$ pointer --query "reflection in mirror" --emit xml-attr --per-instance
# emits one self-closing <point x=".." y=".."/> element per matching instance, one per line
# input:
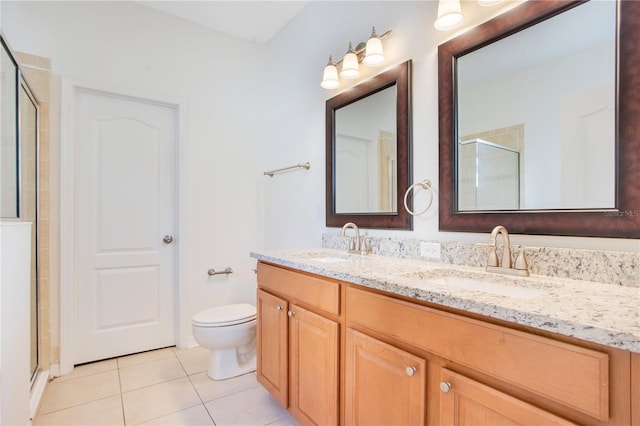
<point x="9" y="136"/>
<point x="366" y="154"/>
<point x="577" y="138"/>
<point x="544" y="101"/>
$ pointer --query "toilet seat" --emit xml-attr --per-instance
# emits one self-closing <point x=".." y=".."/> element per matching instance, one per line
<point x="224" y="316"/>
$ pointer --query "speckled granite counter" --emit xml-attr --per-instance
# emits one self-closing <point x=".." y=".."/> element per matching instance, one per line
<point x="600" y="313"/>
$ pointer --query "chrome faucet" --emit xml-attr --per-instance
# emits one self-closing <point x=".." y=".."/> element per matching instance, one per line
<point x="505" y="266"/>
<point x="354" y="242"/>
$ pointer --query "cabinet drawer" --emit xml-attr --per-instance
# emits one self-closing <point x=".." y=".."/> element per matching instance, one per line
<point x="309" y="290"/>
<point x="569" y="374"/>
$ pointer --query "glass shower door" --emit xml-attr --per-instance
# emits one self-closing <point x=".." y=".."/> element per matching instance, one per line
<point x="28" y="116"/>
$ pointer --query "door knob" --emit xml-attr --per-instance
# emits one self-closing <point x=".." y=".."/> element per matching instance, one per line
<point x="410" y="371"/>
<point x="279" y="308"/>
<point x="168" y="239"/>
<point x="291" y="314"/>
<point x="445" y="387"/>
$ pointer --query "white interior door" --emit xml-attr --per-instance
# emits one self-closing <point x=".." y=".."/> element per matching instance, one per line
<point x="352" y="179"/>
<point x="125" y="205"/>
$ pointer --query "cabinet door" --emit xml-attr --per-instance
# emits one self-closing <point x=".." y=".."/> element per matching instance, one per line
<point x="383" y="385"/>
<point x="272" y="356"/>
<point x="313" y="370"/>
<point x="466" y="402"/>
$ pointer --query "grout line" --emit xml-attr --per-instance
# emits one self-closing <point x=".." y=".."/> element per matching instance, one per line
<point x="199" y="397"/>
<point x="124" y="417"/>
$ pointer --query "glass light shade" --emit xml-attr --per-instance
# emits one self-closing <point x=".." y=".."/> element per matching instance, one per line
<point x="374" y="53"/>
<point x="350" y="68"/>
<point x="449" y="15"/>
<point x="330" y="76"/>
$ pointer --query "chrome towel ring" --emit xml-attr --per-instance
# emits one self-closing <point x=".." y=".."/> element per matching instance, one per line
<point x="424" y="184"/>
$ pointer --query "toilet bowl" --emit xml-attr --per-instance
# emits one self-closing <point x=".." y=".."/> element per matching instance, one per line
<point x="229" y="332"/>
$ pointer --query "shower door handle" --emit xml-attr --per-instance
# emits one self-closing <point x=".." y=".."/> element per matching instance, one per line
<point x="168" y="239"/>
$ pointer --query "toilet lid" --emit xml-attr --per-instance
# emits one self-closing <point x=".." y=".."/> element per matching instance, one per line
<point x="225" y="315"/>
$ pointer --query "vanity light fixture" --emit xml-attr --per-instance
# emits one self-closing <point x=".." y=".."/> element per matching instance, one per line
<point x="371" y="54"/>
<point x="374" y="53"/>
<point x="330" y="75"/>
<point x="350" y="69"/>
<point x="450" y="13"/>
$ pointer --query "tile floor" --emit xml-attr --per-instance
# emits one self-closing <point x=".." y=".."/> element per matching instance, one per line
<point x="164" y="387"/>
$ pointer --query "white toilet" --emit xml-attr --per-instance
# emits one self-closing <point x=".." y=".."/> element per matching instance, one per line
<point x="229" y="332"/>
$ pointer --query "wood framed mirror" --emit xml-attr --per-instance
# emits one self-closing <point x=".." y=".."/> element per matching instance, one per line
<point x="620" y="216"/>
<point x="368" y="152"/>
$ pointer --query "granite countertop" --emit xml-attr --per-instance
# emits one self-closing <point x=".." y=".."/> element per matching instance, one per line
<point x="602" y="313"/>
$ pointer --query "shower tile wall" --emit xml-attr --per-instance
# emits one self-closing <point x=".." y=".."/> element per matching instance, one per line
<point x="37" y="73"/>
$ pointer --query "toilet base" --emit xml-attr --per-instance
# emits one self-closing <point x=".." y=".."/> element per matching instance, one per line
<point x="228" y="363"/>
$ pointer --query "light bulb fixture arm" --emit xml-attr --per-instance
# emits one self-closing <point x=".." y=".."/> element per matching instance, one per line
<point x="362" y="46"/>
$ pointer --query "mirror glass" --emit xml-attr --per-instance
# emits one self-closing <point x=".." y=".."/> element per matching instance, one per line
<point x="538" y="125"/>
<point x="8" y="136"/>
<point x="365" y="151"/>
<point x="368" y="151"/>
<point x="536" y="116"/>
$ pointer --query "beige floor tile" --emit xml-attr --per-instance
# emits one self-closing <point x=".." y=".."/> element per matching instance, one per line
<point x="69" y="393"/>
<point x="195" y="362"/>
<point x="210" y="389"/>
<point x="106" y="411"/>
<point x="89" y="369"/>
<point x="192" y="350"/>
<point x="155" y="401"/>
<point x="287" y="421"/>
<point x="150" y="373"/>
<point x="143" y="357"/>
<point x="249" y="407"/>
<point x="194" y="416"/>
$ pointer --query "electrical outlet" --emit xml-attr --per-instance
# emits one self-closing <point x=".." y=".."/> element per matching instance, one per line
<point x="430" y="250"/>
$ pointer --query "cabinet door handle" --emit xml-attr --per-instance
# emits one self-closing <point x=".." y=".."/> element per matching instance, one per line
<point x="291" y="313"/>
<point x="445" y="387"/>
<point x="410" y="371"/>
<point x="279" y="308"/>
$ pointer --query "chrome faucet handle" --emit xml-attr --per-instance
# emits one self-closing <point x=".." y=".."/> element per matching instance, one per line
<point x="365" y="245"/>
<point x="521" y="261"/>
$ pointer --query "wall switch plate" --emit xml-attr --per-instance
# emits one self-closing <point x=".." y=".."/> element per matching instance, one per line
<point x="430" y="250"/>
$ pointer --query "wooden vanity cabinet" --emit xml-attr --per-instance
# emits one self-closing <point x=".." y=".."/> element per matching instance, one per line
<point x="466" y="402"/>
<point x="384" y="385"/>
<point x="337" y="353"/>
<point x="480" y="373"/>
<point x="298" y="343"/>
<point x="272" y="346"/>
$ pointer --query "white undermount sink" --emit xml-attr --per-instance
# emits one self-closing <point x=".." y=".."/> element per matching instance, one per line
<point x="447" y="278"/>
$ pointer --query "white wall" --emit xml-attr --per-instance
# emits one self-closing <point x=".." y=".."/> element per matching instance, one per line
<point x="130" y="46"/>
<point x="15" y="276"/>
<point x="294" y="205"/>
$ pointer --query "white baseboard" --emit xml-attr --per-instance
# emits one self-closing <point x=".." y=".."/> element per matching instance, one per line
<point x="190" y="342"/>
<point x="37" y="391"/>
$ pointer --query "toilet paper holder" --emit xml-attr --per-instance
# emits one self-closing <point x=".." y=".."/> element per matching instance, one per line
<point x="226" y="270"/>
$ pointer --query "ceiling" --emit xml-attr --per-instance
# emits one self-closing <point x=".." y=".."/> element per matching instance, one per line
<point x="256" y="21"/>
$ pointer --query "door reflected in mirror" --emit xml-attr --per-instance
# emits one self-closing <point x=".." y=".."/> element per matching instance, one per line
<point x="366" y="166"/>
<point x="542" y="103"/>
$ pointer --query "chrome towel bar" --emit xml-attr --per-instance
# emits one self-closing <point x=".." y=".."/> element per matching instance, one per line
<point x="306" y="165"/>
